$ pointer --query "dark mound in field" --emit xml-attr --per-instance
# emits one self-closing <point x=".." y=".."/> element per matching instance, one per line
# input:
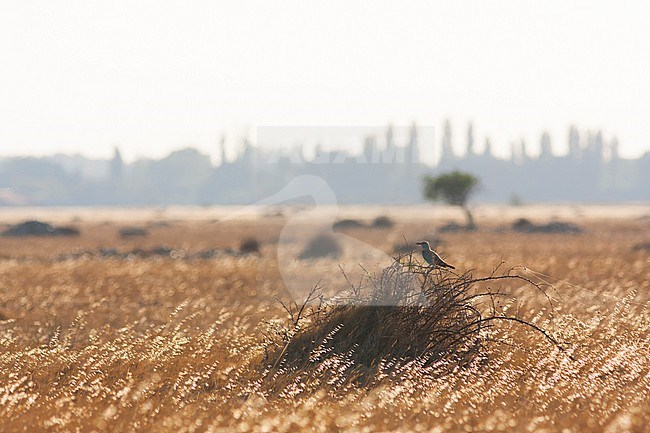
<point x="159" y="252"/>
<point x="643" y="246"/>
<point x="455" y="227"/>
<point x="377" y="223"/>
<point x="38" y="228"/>
<point x="524" y="225"/>
<point x="321" y="246"/>
<point x="348" y="224"/>
<point x="133" y="232"/>
<point x="274" y="213"/>
<point x="383" y="222"/>
<point x="249" y="246"/>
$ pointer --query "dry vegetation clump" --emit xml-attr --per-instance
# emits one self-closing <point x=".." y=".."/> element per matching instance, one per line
<point x="249" y="246"/>
<point x="524" y="225"/>
<point x="39" y="228"/>
<point x="347" y="224"/>
<point x="642" y="246"/>
<point x="406" y="314"/>
<point x="323" y="245"/>
<point x="383" y="221"/>
<point x="131" y="232"/>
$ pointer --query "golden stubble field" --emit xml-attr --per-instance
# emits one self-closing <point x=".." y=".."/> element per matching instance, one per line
<point x="98" y="340"/>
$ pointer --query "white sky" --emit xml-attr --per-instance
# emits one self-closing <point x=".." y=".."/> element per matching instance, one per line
<point x="153" y="76"/>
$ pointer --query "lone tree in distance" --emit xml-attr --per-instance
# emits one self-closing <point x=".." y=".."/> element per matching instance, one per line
<point x="454" y="188"/>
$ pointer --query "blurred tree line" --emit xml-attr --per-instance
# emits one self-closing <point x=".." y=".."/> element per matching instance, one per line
<point x="384" y="172"/>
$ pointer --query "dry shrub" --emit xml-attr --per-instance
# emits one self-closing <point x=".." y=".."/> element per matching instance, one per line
<point x="249" y="246"/>
<point x="405" y="315"/>
<point x="39" y="228"/>
<point x="323" y="245"/>
<point x="133" y="232"/>
<point x="383" y="222"/>
<point x="348" y="224"/>
<point x="524" y="225"/>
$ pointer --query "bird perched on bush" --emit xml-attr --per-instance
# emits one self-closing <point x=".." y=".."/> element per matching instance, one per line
<point x="431" y="257"/>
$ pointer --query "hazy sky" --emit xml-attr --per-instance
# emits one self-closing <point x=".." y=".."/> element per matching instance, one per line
<point x="152" y="76"/>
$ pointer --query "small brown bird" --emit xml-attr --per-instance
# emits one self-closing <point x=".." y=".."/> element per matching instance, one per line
<point x="431" y="257"/>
